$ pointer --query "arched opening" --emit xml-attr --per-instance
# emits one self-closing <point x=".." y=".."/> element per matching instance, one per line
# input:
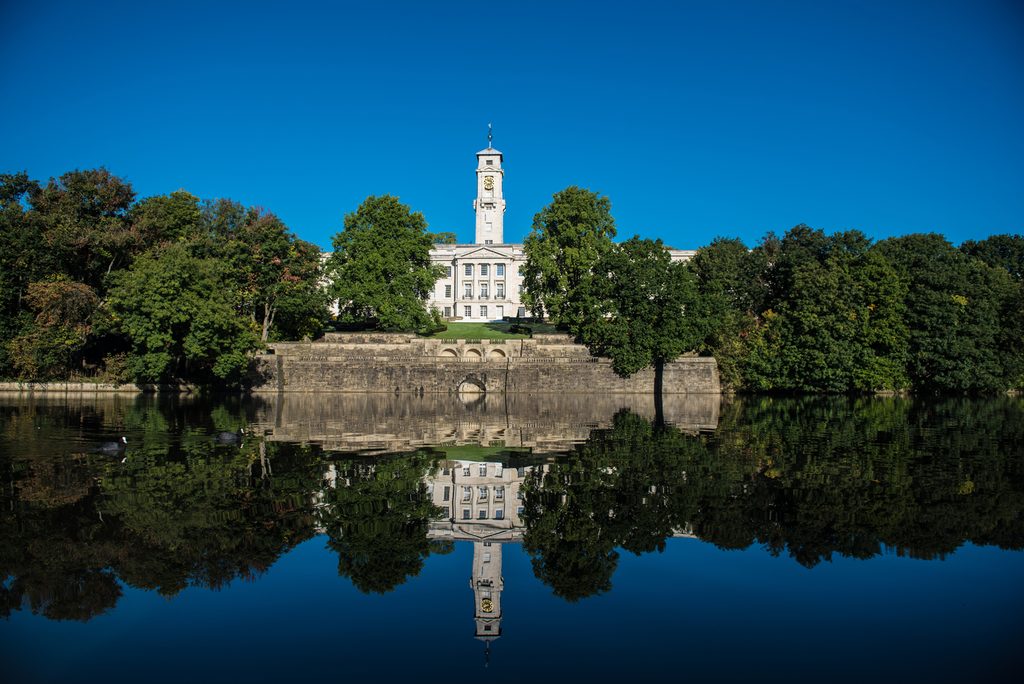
<point x="449" y="353"/>
<point x="496" y="354"/>
<point x="474" y="354"/>
<point x="471" y="387"/>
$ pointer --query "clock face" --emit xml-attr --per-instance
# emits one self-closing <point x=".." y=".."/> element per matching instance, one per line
<point x="488" y="182"/>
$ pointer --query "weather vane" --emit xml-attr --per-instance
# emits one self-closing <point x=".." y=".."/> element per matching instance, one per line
<point x="490" y="136"/>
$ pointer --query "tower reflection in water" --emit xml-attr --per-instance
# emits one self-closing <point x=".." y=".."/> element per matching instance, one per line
<point x="489" y="447"/>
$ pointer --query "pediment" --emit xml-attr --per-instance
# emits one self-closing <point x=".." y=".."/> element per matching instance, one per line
<point x="485" y="252"/>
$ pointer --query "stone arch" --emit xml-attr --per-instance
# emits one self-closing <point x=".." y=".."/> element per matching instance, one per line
<point x="471" y="386"/>
<point x="474" y="354"/>
<point x="449" y="353"/>
<point x="496" y="354"/>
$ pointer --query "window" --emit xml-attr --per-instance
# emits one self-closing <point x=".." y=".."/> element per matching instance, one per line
<point x="490" y="162"/>
<point x="447" y="291"/>
<point x="466" y="513"/>
<point x="522" y="269"/>
<point x="497" y="470"/>
<point x="487" y="559"/>
<point x="499" y="290"/>
<point x="519" y="494"/>
<point x="483" y="470"/>
<point x="446" y="471"/>
<point x="483" y="492"/>
<point x="484" y="290"/>
<point x="481" y="514"/>
<point x="449" y="271"/>
<point x="500" y="313"/>
<point x="488" y="242"/>
<point x="485" y="269"/>
<point x="520" y="289"/>
<point x="499" y="269"/>
<point x="519" y="511"/>
<point x="447" y="312"/>
<point x="447" y="493"/>
<point x="469" y="269"/>
<point x="467" y="291"/>
<point x="521" y="471"/>
<point x="465" y="471"/>
<point x="499" y="493"/>
<point x="483" y="311"/>
<point x="469" y="312"/>
<point x="442" y="512"/>
<point x="467" y="493"/>
<point x="499" y="514"/>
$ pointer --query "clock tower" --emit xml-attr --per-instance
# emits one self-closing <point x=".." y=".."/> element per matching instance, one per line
<point x="489" y="203"/>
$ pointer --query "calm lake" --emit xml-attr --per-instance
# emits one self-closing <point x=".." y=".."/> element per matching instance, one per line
<point x="519" y="538"/>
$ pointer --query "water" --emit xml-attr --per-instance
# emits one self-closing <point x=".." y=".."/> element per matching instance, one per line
<point x="758" y="539"/>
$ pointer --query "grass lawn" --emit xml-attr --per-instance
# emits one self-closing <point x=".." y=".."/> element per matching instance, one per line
<point x="488" y="331"/>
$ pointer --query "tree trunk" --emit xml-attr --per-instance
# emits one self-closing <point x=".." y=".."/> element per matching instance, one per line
<point x="268" y="320"/>
<point x="659" y="381"/>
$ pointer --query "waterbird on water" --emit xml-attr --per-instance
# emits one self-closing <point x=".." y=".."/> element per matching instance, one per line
<point x="229" y="437"/>
<point x="114" y="448"/>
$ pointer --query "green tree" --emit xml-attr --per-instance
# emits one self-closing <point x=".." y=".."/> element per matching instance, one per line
<point x="50" y="348"/>
<point x="24" y="258"/>
<point x="182" y="322"/>
<point x="1005" y="251"/>
<point x="955" y="310"/>
<point x="167" y="218"/>
<point x="568" y="237"/>
<point x="84" y="218"/>
<point x="836" y="322"/>
<point x="730" y="285"/>
<point x="645" y="308"/>
<point x="443" y="238"/>
<point x="380" y="270"/>
<point x="275" y="273"/>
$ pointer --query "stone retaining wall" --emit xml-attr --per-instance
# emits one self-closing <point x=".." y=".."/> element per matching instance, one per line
<point x="406" y="363"/>
<point x="93" y="388"/>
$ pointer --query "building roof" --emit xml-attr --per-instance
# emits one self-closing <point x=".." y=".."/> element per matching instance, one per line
<point x="490" y="150"/>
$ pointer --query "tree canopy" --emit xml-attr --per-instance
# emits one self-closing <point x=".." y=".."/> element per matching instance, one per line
<point x="645" y="307"/>
<point x="568" y="237"/>
<point x="380" y="270"/>
<point x="89" y="288"/>
<point x="836" y="313"/>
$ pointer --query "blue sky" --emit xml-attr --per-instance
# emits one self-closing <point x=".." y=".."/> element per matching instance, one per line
<point x="697" y="119"/>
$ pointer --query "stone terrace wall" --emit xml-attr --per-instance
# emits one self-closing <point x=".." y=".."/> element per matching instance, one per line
<point x="406" y="363"/>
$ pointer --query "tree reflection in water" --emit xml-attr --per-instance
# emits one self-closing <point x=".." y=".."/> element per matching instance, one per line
<point x="807" y="478"/>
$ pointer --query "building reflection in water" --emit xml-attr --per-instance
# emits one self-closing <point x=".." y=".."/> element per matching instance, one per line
<point x="481" y="503"/>
<point x="491" y="445"/>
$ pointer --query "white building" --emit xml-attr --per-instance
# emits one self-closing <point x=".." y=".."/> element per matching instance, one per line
<point x="482" y="281"/>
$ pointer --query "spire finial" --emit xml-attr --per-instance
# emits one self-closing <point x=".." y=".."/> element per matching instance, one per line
<point x="490" y="136"/>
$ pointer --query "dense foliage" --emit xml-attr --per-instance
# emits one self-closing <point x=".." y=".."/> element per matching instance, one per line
<point x="380" y="270"/>
<point x="646" y="310"/>
<point x="94" y="284"/>
<point x="836" y="313"/>
<point x="568" y="237"/>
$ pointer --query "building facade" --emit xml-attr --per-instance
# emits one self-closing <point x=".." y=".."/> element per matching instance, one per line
<point x="483" y="281"/>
